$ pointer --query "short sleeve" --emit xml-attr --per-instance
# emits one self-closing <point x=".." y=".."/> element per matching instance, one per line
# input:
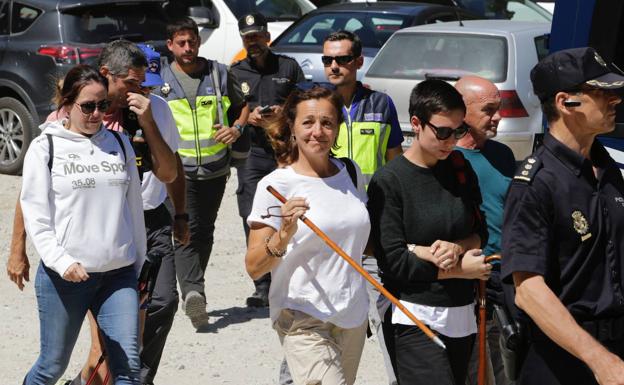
<point x="526" y="229"/>
<point x="234" y="90"/>
<point x="396" y="134"/>
<point x="264" y="202"/>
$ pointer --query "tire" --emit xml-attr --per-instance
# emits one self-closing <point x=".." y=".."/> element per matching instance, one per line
<point x="16" y="131"/>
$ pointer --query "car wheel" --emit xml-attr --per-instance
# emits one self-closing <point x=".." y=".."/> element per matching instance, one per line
<point x="16" y="131"/>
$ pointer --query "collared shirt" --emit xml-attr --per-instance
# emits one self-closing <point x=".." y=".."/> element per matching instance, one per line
<point x="267" y="86"/>
<point x="566" y="224"/>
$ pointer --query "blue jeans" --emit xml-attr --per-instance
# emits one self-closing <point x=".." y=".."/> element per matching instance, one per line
<point x="113" y="299"/>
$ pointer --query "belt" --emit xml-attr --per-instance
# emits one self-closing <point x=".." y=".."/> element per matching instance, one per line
<point x="610" y="329"/>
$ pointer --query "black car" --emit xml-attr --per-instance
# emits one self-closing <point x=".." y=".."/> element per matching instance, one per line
<point x="40" y="40"/>
<point x="372" y="22"/>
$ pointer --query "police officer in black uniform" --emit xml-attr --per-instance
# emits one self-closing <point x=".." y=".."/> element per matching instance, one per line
<point x="563" y="228"/>
<point x="266" y="81"/>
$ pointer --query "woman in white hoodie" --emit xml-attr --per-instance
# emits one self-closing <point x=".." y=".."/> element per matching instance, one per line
<point x="83" y="212"/>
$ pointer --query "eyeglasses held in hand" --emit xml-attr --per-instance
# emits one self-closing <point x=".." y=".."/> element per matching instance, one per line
<point x="271" y="213"/>
<point x="340" y="60"/>
<point x="443" y="133"/>
<point x="89" y="107"/>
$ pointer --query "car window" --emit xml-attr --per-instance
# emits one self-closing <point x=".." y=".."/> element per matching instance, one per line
<point x="4" y="17"/>
<point x="100" y="24"/>
<point x="413" y="56"/>
<point x="271" y="9"/>
<point x="23" y="17"/>
<point x="542" y="46"/>
<point x="372" y="28"/>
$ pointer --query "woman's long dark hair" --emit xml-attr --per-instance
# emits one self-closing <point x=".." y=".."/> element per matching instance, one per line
<point x="280" y="131"/>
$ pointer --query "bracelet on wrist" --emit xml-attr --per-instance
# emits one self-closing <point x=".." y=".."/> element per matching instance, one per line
<point x="276" y="253"/>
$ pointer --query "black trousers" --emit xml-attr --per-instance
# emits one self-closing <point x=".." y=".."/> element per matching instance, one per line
<point x="548" y="364"/>
<point x="418" y="360"/>
<point x="164" y="304"/>
<point x="203" y="198"/>
<point x="258" y="165"/>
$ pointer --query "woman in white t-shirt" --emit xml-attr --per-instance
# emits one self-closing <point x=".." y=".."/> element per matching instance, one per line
<point x="318" y="303"/>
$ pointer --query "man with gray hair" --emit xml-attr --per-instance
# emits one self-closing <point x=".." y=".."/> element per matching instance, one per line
<point x="494" y="164"/>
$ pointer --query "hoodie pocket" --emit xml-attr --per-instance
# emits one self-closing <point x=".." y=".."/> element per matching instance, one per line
<point x="66" y="231"/>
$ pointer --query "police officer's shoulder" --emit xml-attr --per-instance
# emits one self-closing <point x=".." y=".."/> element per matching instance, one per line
<point x="286" y="58"/>
<point x="526" y="173"/>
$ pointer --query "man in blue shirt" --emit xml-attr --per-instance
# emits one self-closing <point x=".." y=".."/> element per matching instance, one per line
<point x="494" y="164"/>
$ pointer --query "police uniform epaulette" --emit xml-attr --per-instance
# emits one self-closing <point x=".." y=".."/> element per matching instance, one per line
<point x="528" y="169"/>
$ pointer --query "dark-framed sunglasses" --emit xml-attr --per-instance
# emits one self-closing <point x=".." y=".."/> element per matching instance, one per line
<point x="89" y="107"/>
<point x="340" y="60"/>
<point x="443" y="133"/>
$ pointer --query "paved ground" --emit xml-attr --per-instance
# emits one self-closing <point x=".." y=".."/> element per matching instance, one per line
<point x="239" y="347"/>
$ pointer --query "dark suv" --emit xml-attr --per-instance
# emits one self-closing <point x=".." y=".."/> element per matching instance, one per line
<point x="40" y="40"/>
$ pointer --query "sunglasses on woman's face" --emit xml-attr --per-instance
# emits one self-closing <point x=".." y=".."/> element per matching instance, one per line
<point x="340" y="60"/>
<point x="443" y="133"/>
<point x="89" y="107"/>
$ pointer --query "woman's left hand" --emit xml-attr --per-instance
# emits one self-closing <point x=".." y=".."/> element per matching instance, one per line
<point x="446" y="253"/>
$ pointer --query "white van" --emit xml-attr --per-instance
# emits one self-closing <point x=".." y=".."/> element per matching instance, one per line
<point x="218" y="21"/>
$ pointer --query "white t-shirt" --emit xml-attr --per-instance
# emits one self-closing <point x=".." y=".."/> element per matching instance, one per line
<point x="311" y="277"/>
<point x="153" y="190"/>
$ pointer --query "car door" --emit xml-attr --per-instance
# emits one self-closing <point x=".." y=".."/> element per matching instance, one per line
<point x="4" y="27"/>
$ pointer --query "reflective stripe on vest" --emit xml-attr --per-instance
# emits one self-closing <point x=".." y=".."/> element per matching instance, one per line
<point x="364" y="138"/>
<point x="196" y="127"/>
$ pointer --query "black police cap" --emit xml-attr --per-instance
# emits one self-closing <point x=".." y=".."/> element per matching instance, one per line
<point x="568" y="69"/>
<point x="252" y="22"/>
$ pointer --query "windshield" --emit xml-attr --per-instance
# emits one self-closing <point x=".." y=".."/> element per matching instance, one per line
<point x="372" y="28"/>
<point x="273" y="10"/>
<point x="104" y="23"/>
<point x="414" y="56"/>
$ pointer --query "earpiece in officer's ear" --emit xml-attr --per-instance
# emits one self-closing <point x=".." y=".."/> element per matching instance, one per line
<point x="571" y="103"/>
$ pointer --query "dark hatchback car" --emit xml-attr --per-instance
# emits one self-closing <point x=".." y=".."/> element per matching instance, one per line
<point x="372" y="22"/>
<point x="40" y="40"/>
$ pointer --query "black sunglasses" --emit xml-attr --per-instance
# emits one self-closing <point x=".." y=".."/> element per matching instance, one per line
<point x="340" y="60"/>
<point x="89" y="107"/>
<point x="443" y="133"/>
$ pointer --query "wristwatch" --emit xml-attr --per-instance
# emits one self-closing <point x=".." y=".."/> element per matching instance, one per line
<point x="183" y="216"/>
<point x="240" y="128"/>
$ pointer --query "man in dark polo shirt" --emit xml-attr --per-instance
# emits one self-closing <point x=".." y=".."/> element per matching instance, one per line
<point x="266" y="81"/>
<point x="563" y="228"/>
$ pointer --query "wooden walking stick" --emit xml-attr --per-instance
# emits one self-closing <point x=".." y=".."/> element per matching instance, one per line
<point x="482" y="372"/>
<point x="363" y="272"/>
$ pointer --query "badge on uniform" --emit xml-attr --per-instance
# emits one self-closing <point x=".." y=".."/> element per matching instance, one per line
<point x="165" y="89"/>
<point x="581" y="225"/>
<point x="245" y="88"/>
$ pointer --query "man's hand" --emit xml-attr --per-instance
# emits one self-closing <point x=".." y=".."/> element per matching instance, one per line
<point x="18" y="268"/>
<point x="141" y="106"/>
<point x="609" y="369"/>
<point x="226" y="135"/>
<point x="181" y="231"/>
<point x="262" y="120"/>
<point x="75" y="273"/>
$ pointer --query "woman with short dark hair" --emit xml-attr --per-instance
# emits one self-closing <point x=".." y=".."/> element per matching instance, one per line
<point x="427" y="230"/>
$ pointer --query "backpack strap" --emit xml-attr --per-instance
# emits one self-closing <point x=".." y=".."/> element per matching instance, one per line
<point x="123" y="148"/>
<point x="50" y="151"/>
<point x="351" y="170"/>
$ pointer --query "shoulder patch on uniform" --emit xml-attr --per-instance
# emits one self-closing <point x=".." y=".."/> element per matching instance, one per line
<point x="528" y="169"/>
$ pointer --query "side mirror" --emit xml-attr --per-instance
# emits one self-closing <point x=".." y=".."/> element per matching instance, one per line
<point x="204" y="17"/>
